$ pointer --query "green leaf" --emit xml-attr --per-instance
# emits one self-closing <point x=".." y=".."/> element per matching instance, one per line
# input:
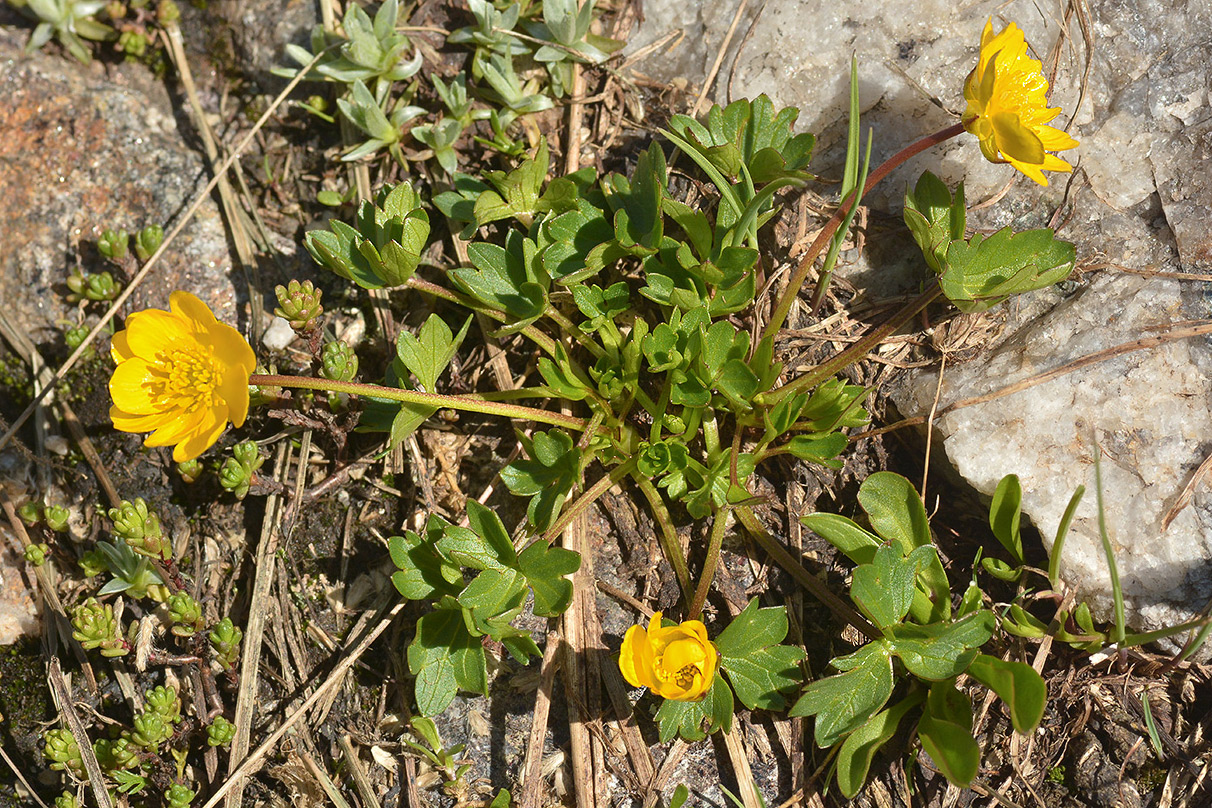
<point x="851" y="540"/>
<point x="680" y="795"/>
<point x="884" y="589"/>
<point x="761" y="677"/>
<point x="546" y="568"/>
<point x="983" y="272"/>
<point x="952" y="748"/>
<point x="941" y="650"/>
<point x="510" y="279"/>
<point x="468" y="548"/>
<point x="517" y="193"/>
<point x="895" y="510"/>
<point x="1004" y="515"/>
<point x="429" y="353"/>
<point x="423" y="574"/>
<point x="1017" y="684"/>
<point x="694" y="720"/>
<point x="845" y="702"/>
<point x="860" y="747"/>
<point x="821" y="449"/>
<point x="546" y="477"/>
<point x="486" y="524"/>
<point x="934" y="218"/>
<point x="491" y="600"/>
<point x="752" y="630"/>
<point x="445" y="657"/>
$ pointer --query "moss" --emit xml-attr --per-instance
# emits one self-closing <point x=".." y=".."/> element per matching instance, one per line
<point x="24" y="702"/>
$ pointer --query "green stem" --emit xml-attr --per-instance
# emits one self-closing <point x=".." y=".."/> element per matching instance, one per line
<point x="575" y="332"/>
<point x="715" y="542"/>
<point x="858" y="350"/>
<point x="591" y="495"/>
<point x="668" y="535"/>
<point x="806" y="579"/>
<point x="801" y="272"/>
<point x="435" y="400"/>
<point x="533" y="334"/>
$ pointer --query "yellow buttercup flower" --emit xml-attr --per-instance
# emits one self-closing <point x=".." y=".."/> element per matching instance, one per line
<point x="181" y="375"/>
<point x="676" y="662"/>
<point x="1007" y="98"/>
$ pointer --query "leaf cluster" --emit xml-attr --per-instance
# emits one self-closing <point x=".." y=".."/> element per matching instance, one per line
<point x="978" y="273"/>
<point x="477" y="585"/>
<point x="900" y="586"/>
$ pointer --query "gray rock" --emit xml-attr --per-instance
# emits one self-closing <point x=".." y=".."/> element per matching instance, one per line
<point x="82" y="150"/>
<point x="1143" y="203"/>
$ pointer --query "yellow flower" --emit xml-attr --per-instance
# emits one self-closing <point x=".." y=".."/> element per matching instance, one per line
<point x="677" y="662"/>
<point x="1007" y="98"/>
<point x="181" y="373"/>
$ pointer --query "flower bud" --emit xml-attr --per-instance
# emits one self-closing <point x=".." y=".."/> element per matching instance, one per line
<point x="36" y="554"/>
<point x="165" y="702"/>
<point x="148" y="241"/>
<point x="190" y="470"/>
<point x="220" y="732"/>
<point x="113" y="244"/>
<point x="140" y="528"/>
<point x="150" y="730"/>
<point x="178" y="796"/>
<point x="225" y="642"/>
<point x="185" y="614"/>
<point x="96" y="627"/>
<point x="56" y="517"/>
<point x="339" y="362"/>
<point x="299" y="303"/>
<point x="63" y="752"/>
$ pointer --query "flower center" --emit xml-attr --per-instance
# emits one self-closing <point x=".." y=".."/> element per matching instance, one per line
<point x="189" y="373"/>
<point x="684" y="678"/>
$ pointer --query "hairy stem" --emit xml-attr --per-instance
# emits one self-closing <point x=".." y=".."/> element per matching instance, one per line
<point x="801" y="272"/>
<point x="668" y="535"/>
<point x="591" y="495"/>
<point x="715" y="542"/>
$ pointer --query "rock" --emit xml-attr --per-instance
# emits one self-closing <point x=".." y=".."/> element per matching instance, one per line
<point x="83" y="149"/>
<point x="1143" y="202"/>
<point x="261" y="29"/>
<point x="278" y="335"/>
<point x="18" y="613"/>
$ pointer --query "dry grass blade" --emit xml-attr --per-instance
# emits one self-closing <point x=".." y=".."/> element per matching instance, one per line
<point x="154" y="259"/>
<point x="739" y="755"/>
<point x="533" y="765"/>
<point x="250" y="658"/>
<point x="358" y="772"/>
<point x="719" y="60"/>
<point x="334" y="679"/>
<point x="63" y="698"/>
<point x="581" y="671"/>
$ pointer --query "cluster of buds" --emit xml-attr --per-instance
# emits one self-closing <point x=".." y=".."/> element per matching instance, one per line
<point x="338" y="362"/>
<point x="178" y="796"/>
<point x="67" y="800"/>
<point x="165" y="702"/>
<point x="74" y="337"/>
<point x="148" y="240"/>
<point x="114" y="245"/>
<point x="299" y="304"/>
<point x="185" y="614"/>
<point x="149" y="731"/>
<point x="220" y="732"/>
<point x="96" y="626"/>
<point x="63" y="752"/>
<point x="37" y="554"/>
<point x="117" y="754"/>
<point x="56" y="517"/>
<point x="190" y="470"/>
<point x="132" y="43"/>
<point x="83" y="285"/>
<point x="225" y="642"/>
<point x="239" y="470"/>
<point x="140" y="529"/>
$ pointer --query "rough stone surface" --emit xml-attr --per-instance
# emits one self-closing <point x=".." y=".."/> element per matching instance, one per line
<point x="1141" y="200"/>
<point x="82" y="149"/>
<point x="260" y="30"/>
<point x="18" y="614"/>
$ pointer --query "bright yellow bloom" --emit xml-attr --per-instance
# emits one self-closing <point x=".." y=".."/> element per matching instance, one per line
<point x="181" y="373"/>
<point x="677" y="662"/>
<point x="1007" y="98"/>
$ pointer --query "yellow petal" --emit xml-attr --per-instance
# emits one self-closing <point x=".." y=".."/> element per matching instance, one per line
<point x="129" y="422"/>
<point x="118" y="347"/>
<point x="635" y="658"/>
<point x="151" y="331"/>
<point x="204" y="437"/>
<point x="132" y="387"/>
<point x="188" y="307"/>
<point x="1015" y="141"/>
<point x="1055" y="139"/>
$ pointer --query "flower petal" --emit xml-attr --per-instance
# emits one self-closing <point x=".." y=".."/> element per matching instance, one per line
<point x="134" y="385"/>
<point x="635" y="658"/>
<point x="204" y="437"/>
<point x="151" y="331"/>
<point x="1015" y="141"/>
<point x="190" y="309"/>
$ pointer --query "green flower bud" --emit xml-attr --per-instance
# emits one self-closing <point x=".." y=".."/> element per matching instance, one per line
<point x="140" y="529"/>
<point x="185" y="614"/>
<point x="238" y="471"/>
<point x="220" y="732"/>
<point x="132" y="43"/>
<point x="36" y="554"/>
<point x="165" y="702"/>
<point x="673" y="424"/>
<point x="116" y="755"/>
<point x="166" y="13"/>
<point x="113" y="243"/>
<point x="67" y="800"/>
<point x="96" y="627"/>
<point x="115" y="9"/>
<point x="190" y="470"/>
<point x="178" y="796"/>
<point x="148" y="241"/>
<point x="150" y="730"/>
<point x="74" y="337"/>
<point x="300" y="304"/>
<point x="63" y="752"/>
<point x="317" y="102"/>
<point x="225" y="641"/>
<point x="92" y="563"/>
<point x="30" y="512"/>
<point x="56" y="517"/>
<point x="339" y="362"/>
<point x="87" y="286"/>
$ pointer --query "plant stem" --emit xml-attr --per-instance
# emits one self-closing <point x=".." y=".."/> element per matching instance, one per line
<point x="534" y="334"/>
<point x="435" y="400"/>
<point x="789" y="563"/>
<point x="668" y="535"/>
<point x="801" y="272"/>
<point x="591" y="495"/>
<point x="714" y="543"/>
<point x="859" y="349"/>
